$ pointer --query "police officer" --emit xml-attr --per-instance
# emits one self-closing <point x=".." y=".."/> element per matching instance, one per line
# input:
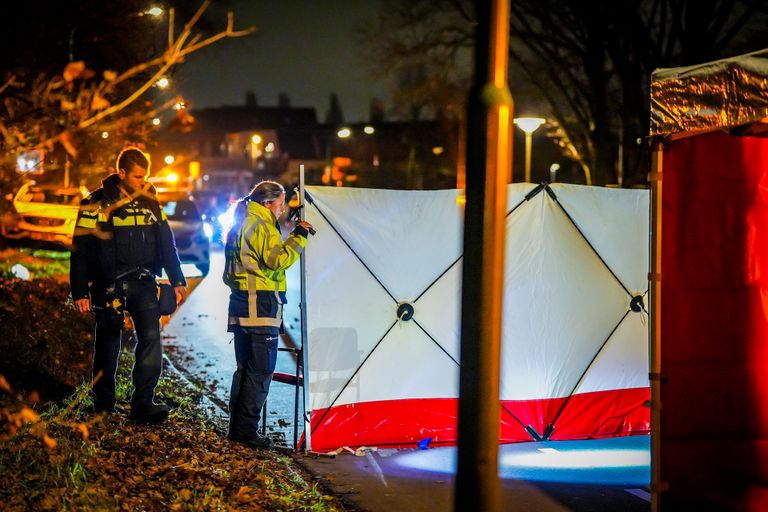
<point x="122" y="241"/>
<point x="256" y="261"/>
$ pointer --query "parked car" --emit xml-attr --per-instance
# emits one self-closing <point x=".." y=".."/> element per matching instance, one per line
<point x="211" y="206"/>
<point x="188" y="229"/>
<point x="43" y="213"/>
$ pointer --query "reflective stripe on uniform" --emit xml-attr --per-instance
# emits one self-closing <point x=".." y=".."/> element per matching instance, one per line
<point x="87" y="223"/>
<point x="128" y="221"/>
<point x="293" y="244"/>
<point x="274" y="253"/>
<point x="248" y="257"/>
<point x="253" y="319"/>
<point x="255" y="248"/>
<point x="258" y="321"/>
<point x="134" y="220"/>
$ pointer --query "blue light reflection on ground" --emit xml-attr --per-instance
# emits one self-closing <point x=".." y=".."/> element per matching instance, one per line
<point x="621" y="461"/>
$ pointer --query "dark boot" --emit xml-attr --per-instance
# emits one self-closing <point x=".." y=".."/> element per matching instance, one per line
<point x="149" y="412"/>
<point x="257" y="441"/>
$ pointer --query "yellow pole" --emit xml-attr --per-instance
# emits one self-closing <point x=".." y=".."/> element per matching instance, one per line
<point x="655" y="325"/>
<point x="489" y="162"/>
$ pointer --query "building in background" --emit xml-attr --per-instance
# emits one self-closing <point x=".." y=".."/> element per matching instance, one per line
<point x="230" y="148"/>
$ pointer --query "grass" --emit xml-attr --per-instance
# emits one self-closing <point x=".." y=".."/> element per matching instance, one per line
<point x="106" y="462"/>
<point x="41" y="263"/>
<point x="56" y="456"/>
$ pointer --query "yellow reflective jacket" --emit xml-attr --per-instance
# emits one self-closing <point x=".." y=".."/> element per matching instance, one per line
<point x="256" y="261"/>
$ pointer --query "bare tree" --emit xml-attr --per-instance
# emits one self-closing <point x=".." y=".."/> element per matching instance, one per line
<point x="426" y="45"/>
<point x="71" y="109"/>
<point x="589" y="61"/>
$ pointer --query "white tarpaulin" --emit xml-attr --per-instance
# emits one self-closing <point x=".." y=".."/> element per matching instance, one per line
<point x="383" y="280"/>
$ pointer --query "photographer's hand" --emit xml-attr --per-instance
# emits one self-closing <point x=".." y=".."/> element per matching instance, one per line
<point x="307" y="226"/>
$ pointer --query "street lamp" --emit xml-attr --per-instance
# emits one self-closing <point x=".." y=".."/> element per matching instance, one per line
<point x="528" y="125"/>
<point x="255" y="152"/>
<point x="553" y="172"/>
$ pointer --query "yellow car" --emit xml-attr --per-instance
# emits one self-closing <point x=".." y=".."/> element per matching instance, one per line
<point x="44" y="213"/>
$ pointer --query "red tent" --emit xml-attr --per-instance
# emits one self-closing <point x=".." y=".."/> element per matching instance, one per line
<point x="709" y="273"/>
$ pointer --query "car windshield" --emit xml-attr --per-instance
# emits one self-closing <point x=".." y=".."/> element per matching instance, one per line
<point x="181" y="210"/>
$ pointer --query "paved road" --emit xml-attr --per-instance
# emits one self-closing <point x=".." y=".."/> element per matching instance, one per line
<point x="199" y="345"/>
<point x="595" y="476"/>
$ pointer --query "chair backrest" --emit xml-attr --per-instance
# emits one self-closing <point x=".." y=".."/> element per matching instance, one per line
<point x="340" y="350"/>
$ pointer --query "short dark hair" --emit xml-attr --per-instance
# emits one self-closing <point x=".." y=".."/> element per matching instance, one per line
<point x="131" y="156"/>
<point x="266" y="191"/>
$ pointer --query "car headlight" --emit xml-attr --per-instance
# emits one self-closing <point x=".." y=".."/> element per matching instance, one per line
<point x="208" y="230"/>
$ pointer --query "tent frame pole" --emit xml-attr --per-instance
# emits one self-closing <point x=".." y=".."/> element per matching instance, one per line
<point x="303" y="312"/>
<point x="655" y="376"/>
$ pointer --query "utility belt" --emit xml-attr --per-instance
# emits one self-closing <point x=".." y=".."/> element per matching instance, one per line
<point x="111" y="307"/>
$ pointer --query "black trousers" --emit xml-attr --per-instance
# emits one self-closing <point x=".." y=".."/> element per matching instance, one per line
<point x="141" y="302"/>
<point x="256" y="356"/>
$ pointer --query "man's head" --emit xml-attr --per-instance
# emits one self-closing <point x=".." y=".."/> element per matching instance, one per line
<point x="133" y="168"/>
<point x="269" y="194"/>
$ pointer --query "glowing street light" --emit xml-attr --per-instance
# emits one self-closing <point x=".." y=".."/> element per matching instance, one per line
<point x="344" y="133"/>
<point x="553" y="172"/>
<point x="163" y="83"/>
<point x="156" y="121"/>
<point x="169" y="159"/>
<point x="369" y="130"/>
<point x="155" y="11"/>
<point x="528" y="125"/>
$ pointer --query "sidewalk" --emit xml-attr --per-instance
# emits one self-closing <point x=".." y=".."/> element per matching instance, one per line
<point x="594" y="475"/>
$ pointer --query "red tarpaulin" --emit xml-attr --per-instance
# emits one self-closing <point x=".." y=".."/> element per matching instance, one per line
<point x="714" y="323"/>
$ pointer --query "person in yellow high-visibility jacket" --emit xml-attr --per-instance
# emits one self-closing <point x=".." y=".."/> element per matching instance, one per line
<point x="256" y="260"/>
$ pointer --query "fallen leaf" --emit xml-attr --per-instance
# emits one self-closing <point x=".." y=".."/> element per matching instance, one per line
<point x="4" y="384"/>
<point x="73" y="70"/>
<point x="50" y="442"/>
<point x="27" y="415"/>
<point x="99" y="102"/>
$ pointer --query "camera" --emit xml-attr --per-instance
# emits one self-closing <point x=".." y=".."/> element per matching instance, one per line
<point x="293" y="216"/>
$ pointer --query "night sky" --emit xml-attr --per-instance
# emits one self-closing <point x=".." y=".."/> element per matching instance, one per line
<point x="303" y="48"/>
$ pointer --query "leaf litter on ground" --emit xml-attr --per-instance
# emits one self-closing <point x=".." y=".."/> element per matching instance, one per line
<point x="56" y="456"/>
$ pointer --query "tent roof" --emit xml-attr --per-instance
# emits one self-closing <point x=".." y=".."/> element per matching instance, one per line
<point x="720" y="94"/>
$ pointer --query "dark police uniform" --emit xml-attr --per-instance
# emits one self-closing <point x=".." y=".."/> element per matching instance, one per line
<point x="121" y="243"/>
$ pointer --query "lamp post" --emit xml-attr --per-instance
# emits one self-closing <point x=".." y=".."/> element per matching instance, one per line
<point x="528" y="125"/>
